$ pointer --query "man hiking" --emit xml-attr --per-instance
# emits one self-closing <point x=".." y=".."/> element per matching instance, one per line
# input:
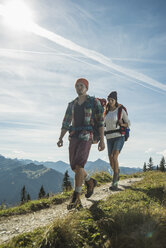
<point x="79" y="115"/>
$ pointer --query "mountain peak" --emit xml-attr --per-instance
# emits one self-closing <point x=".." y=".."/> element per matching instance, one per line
<point x="99" y="160"/>
<point x="33" y="166"/>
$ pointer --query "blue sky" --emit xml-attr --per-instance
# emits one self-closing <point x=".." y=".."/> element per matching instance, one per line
<point x="116" y="45"/>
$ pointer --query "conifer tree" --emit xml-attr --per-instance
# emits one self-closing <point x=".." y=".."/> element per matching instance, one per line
<point x="162" y="164"/>
<point x="23" y="194"/>
<point x="144" y="168"/>
<point x="157" y="167"/>
<point x="150" y="164"/>
<point x="28" y="197"/>
<point x="42" y="193"/>
<point x="66" y="182"/>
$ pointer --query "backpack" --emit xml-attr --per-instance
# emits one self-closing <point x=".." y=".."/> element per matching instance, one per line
<point x="122" y="130"/>
<point x="96" y="135"/>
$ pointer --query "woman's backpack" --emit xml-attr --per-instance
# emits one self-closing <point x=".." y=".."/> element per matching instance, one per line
<point x="123" y="130"/>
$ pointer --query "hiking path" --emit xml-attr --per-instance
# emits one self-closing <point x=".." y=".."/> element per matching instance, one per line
<point x="14" y="225"/>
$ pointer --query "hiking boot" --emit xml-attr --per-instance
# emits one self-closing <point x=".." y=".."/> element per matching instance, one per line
<point x="75" y="202"/>
<point x="90" y="187"/>
<point x="115" y="178"/>
<point x="114" y="185"/>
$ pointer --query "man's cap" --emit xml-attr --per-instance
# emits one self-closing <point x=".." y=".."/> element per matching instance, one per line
<point x="84" y="81"/>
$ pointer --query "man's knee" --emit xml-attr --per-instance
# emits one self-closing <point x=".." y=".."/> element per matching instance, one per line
<point x="79" y="169"/>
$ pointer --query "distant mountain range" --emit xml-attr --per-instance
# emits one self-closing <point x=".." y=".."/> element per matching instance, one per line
<point x="15" y="173"/>
<point x="91" y="167"/>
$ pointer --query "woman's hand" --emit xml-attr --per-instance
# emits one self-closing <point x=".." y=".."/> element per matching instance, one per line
<point x="122" y="124"/>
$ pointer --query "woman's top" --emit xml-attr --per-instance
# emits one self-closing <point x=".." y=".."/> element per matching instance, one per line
<point x="111" y="120"/>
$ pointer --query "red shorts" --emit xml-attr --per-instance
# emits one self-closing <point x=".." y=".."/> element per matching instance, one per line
<point x="79" y="152"/>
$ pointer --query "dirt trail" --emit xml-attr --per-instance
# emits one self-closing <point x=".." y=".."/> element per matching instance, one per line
<point x="14" y="225"/>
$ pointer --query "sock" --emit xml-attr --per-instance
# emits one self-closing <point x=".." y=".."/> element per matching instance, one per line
<point x="78" y="189"/>
<point x="87" y="178"/>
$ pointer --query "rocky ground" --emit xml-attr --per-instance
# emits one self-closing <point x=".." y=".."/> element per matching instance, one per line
<point x="14" y="225"/>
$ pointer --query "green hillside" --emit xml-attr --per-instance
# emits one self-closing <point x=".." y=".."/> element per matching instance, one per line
<point x="134" y="218"/>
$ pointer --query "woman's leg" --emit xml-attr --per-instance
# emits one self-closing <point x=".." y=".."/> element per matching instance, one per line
<point x="110" y="144"/>
<point x="118" y="144"/>
<point x="111" y="161"/>
<point x="115" y="161"/>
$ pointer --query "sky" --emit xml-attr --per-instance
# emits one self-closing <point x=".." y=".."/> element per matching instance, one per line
<point x="46" y="45"/>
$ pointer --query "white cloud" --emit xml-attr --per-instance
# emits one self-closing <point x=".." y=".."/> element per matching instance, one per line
<point x="149" y="150"/>
<point x="96" y="56"/>
<point x="163" y="153"/>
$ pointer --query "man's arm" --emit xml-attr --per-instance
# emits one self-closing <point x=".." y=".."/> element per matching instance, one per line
<point x="101" y="145"/>
<point x="62" y="134"/>
<point x="99" y="114"/>
<point x="65" y="125"/>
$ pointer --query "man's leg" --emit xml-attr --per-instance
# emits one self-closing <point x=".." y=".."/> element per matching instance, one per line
<point x="80" y="175"/>
<point x="81" y="158"/>
<point x="78" y="151"/>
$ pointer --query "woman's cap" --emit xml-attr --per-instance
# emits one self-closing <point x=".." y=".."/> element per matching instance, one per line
<point x="84" y="81"/>
<point x="113" y="95"/>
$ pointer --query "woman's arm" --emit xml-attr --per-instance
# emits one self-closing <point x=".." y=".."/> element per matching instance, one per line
<point x="124" y="121"/>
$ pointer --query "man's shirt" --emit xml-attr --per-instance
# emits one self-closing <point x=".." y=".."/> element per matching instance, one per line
<point x="70" y="118"/>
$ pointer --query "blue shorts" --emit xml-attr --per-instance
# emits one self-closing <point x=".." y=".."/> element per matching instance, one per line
<point x="115" y="144"/>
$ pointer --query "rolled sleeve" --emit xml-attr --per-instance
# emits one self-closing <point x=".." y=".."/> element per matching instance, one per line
<point x="99" y="114"/>
<point x="67" y="118"/>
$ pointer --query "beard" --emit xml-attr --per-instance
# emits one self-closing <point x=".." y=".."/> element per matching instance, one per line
<point x="81" y="92"/>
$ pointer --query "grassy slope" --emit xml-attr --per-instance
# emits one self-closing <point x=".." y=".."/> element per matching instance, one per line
<point x="36" y="205"/>
<point x="130" y="219"/>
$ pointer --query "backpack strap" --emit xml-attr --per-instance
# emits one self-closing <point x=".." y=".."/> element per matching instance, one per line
<point x="119" y="114"/>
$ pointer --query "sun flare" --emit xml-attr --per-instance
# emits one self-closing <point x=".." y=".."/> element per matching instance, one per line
<point x="18" y="16"/>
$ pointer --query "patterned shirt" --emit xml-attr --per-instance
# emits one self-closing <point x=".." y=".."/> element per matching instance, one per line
<point x="89" y="120"/>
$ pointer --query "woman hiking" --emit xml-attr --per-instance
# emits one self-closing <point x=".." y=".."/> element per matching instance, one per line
<point x="116" y="121"/>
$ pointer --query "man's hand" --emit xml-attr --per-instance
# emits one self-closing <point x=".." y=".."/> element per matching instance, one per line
<point x="60" y="142"/>
<point x="101" y="145"/>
